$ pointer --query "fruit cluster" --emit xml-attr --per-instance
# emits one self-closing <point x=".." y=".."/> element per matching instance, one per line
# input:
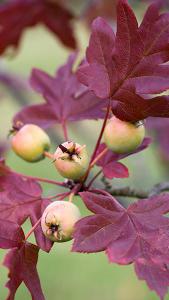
<point x="32" y="144"/>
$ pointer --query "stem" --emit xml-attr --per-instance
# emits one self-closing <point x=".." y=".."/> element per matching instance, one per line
<point x="101" y="132"/>
<point x="98" y="157"/>
<point x="32" y="229"/>
<point x="98" y="143"/>
<point x="42" y="179"/>
<point x="71" y="197"/>
<point x="63" y="196"/>
<point x="93" y="179"/>
<point x="93" y="163"/>
<point x="65" y="131"/>
<point x="49" y="155"/>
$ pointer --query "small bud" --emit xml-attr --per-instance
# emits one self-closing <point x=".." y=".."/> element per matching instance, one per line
<point x="58" y="221"/>
<point x="71" y="160"/>
<point x="123" y="137"/>
<point x="30" y="142"/>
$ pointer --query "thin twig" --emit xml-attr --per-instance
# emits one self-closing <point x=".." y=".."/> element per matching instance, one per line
<point x="71" y="197"/>
<point x="99" y="156"/>
<point x="93" y="179"/>
<point x="32" y="229"/>
<point x="98" y="142"/>
<point x="102" y="131"/>
<point x="65" y="131"/>
<point x="49" y="155"/>
<point x="46" y="180"/>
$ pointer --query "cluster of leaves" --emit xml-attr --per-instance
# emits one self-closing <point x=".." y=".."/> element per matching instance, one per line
<point x="20" y="199"/>
<point x="126" y="71"/>
<point x="129" y="66"/>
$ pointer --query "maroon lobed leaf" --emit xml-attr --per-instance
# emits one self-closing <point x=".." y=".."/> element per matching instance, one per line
<point x="115" y="170"/>
<point x="22" y="268"/>
<point x="11" y="234"/>
<point x="66" y="99"/>
<point x="20" y="199"/>
<point x="51" y="14"/>
<point x="129" y="67"/>
<point x="156" y="276"/>
<point x="128" y="234"/>
<point x="109" y="162"/>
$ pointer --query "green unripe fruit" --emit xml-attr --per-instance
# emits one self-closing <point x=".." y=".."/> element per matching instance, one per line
<point x="30" y="143"/>
<point x="58" y="221"/>
<point x="123" y="137"/>
<point x="71" y="160"/>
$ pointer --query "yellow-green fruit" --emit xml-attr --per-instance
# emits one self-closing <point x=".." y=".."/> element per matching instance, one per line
<point x="71" y="160"/>
<point x="30" y="142"/>
<point x="58" y="221"/>
<point x="123" y="137"/>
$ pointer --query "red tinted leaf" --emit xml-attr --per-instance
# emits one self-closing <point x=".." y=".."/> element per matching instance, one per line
<point x="20" y="199"/>
<point x="99" y="76"/>
<point x="22" y="268"/>
<point x="132" y="234"/>
<point x="156" y="276"/>
<point x="35" y="214"/>
<point x="115" y="170"/>
<point x="3" y="168"/>
<point x="109" y="161"/>
<point x="66" y="100"/>
<point x="135" y="63"/>
<point x="53" y="15"/>
<point x="11" y="234"/>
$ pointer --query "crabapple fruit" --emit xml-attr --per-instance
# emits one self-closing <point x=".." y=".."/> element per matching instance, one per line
<point x="58" y="221"/>
<point x="123" y="137"/>
<point x="30" y="143"/>
<point x="71" y="160"/>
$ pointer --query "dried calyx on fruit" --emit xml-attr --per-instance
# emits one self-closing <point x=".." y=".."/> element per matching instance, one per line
<point x="71" y="160"/>
<point x="58" y="221"/>
<point x="123" y="137"/>
<point x="30" y="142"/>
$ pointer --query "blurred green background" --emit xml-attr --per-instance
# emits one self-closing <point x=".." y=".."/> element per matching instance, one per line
<point x="65" y="275"/>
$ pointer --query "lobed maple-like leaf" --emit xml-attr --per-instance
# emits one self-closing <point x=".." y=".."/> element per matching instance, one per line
<point x="128" y="67"/>
<point x="17" y="15"/>
<point x="127" y="235"/>
<point x="66" y="99"/>
<point x="156" y="276"/>
<point x="11" y="234"/>
<point x="20" y="199"/>
<point x="21" y="263"/>
<point x="109" y="162"/>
